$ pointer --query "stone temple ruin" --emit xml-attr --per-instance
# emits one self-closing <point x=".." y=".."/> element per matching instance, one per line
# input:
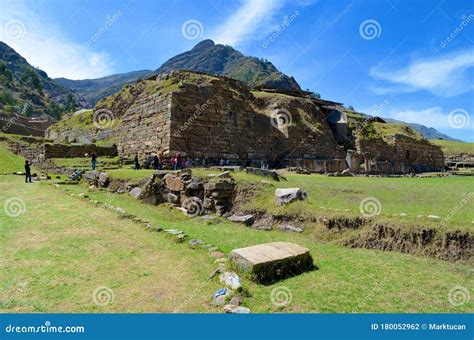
<point x="214" y="117"/>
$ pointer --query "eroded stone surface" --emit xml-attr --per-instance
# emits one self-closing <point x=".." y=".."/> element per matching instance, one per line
<point x="288" y="195"/>
<point x="270" y="262"/>
<point x="245" y="219"/>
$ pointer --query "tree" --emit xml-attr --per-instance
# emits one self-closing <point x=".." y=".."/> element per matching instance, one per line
<point x="55" y="110"/>
<point x="70" y="104"/>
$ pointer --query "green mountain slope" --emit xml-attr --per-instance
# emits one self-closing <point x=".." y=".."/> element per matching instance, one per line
<point x="94" y="90"/>
<point x="224" y="60"/>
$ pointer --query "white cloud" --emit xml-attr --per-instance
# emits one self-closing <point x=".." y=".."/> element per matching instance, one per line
<point x="254" y="16"/>
<point x="431" y="117"/>
<point x="43" y="45"/>
<point x="445" y="76"/>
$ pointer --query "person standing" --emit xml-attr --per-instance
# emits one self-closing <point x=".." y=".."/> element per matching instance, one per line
<point x="93" y="161"/>
<point x="27" y="172"/>
<point x="179" y="161"/>
<point x="173" y="163"/>
<point x="136" y="163"/>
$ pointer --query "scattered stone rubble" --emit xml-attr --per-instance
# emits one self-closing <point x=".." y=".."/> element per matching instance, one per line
<point x="196" y="197"/>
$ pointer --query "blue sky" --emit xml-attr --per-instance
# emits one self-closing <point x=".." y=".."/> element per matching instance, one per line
<point x="408" y="60"/>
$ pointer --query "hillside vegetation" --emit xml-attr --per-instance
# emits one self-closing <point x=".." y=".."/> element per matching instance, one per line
<point x="94" y="90"/>
<point x="224" y="60"/>
<point x="451" y="148"/>
<point x="21" y="84"/>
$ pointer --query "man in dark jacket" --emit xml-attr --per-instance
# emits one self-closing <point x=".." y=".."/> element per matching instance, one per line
<point x="27" y="172"/>
<point x="93" y="161"/>
<point x="136" y="163"/>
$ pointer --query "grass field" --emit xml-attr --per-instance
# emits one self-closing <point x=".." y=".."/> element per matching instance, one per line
<point x="9" y="162"/>
<point x="61" y="249"/>
<point x="416" y="197"/>
<point x="54" y="258"/>
<point x="85" y="162"/>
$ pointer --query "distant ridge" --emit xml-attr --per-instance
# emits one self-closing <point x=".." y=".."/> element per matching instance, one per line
<point x="94" y="90"/>
<point x="224" y="60"/>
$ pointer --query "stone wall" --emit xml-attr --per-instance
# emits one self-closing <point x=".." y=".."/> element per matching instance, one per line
<point x="403" y="154"/>
<point x="217" y="117"/>
<point x="21" y="126"/>
<point x="226" y="120"/>
<point x="212" y="117"/>
<point x="145" y="127"/>
<point x="39" y="152"/>
<point x="77" y="151"/>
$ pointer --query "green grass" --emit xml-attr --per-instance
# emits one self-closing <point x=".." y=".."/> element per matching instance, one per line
<point x="454" y="148"/>
<point x="386" y="131"/>
<point x="62" y="248"/>
<point x="9" y="162"/>
<point x="85" y="162"/>
<point x="412" y="196"/>
<point x="130" y="174"/>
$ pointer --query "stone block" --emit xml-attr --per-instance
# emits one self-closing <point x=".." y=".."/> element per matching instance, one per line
<point x="288" y="195"/>
<point x="270" y="262"/>
<point x="135" y="192"/>
<point x="174" y="183"/>
<point x="245" y="219"/>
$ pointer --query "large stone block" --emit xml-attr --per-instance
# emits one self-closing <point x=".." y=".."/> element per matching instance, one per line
<point x="288" y="195"/>
<point x="174" y="183"/>
<point x="270" y="262"/>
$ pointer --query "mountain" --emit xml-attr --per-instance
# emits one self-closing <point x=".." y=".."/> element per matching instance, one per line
<point x="224" y="60"/>
<point x="94" y="90"/>
<point x="427" y="132"/>
<point x="205" y="57"/>
<point x="21" y="83"/>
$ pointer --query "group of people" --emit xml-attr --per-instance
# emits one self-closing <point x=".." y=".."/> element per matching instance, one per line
<point x="153" y="162"/>
<point x="177" y="162"/>
<point x="157" y="162"/>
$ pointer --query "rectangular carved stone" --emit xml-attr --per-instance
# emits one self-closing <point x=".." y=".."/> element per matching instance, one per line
<point x="270" y="262"/>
